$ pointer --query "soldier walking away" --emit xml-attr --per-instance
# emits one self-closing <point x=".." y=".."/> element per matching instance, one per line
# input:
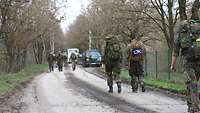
<point x="50" y="60"/>
<point x="136" y="53"/>
<point x="60" y="61"/>
<point x="73" y="59"/>
<point x="113" y="58"/>
<point x="188" y="43"/>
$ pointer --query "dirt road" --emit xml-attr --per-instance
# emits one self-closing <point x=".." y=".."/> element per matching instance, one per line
<point x="150" y="100"/>
<point x="81" y="92"/>
<point x="54" y="93"/>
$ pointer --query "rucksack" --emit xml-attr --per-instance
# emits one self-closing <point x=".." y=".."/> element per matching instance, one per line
<point x="113" y="50"/>
<point x="136" y="52"/>
<point x="191" y="40"/>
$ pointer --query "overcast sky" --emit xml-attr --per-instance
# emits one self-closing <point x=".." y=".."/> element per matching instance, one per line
<point x="73" y="10"/>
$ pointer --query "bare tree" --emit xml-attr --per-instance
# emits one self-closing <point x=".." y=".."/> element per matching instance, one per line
<point x="195" y="10"/>
<point x="25" y="23"/>
<point x="182" y="9"/>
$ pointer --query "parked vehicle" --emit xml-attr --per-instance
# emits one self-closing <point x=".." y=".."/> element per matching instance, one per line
<point x="92" y="58"/>
<point x="70" y="51"/>
<point x="80" y="59"/>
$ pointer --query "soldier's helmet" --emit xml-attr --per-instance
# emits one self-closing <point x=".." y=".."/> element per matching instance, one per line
<point x="184" y="26"/>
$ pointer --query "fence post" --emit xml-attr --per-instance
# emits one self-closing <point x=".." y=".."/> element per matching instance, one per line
<point x="145" y="65"/>
<point x="169" y="63"/>
<point x="156" y="54"/>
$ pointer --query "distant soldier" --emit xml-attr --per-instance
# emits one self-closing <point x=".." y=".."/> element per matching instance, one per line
<point x="73" y="59"/>
<point x="135" y="57"/>
<point x="188" y="44"/>
<point x="113" y="58"/>
<point x="50" y="60"/>
<point x="60" y="61"/>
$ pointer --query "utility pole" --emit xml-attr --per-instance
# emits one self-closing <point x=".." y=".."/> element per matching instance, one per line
<point x="52" y="43"/>
<point x="90" y="39"/>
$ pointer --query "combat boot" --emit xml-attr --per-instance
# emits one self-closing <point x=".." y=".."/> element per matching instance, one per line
<point x="110" y="89"/>
<point x="143" y="88"/>
<point x="119" y="87"/>
<point x="135" y="88"/>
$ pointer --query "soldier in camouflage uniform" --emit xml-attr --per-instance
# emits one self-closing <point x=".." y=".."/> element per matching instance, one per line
<point x="136" y="64"/>
<point x="73" y="59"/>
<point x="60" y="61"/>
<point x="50" y="60"/>
<point x="113" y="58"/>
<point x="185" y="42"/>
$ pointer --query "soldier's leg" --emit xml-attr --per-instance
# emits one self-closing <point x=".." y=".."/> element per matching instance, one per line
<point x="49" y="68"/>
<point x="108" y="69"/>
<point x="52" y="67"/>
<point x="58" y="67"/>
<point x="134" y="83"/>
<point x="110" y="82"/>
<point x="192" y="87"/>
<point x="61" y="68"/>
<point x="141" y="81"/>
<point x="140" y="72"/>
<point x="134" y="78"/>
<point x="116" y="73"/>
<point x="50" y="64"/>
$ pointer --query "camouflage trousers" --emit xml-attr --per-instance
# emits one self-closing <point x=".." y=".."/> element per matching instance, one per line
<point x="192" y="72"/>
<point x="113" y="71"/>
<point x="60" y="66"/>
<point x="136" y="73"/>
<point x="51" y="66"/>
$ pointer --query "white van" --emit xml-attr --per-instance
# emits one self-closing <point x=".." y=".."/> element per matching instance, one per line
<point x="70" y="51"/>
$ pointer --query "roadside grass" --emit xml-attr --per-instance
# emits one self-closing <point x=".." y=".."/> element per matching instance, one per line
<point x="9" y="82"/>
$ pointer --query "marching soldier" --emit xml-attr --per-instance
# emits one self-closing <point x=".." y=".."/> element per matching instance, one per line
<point x="113" y="58"/>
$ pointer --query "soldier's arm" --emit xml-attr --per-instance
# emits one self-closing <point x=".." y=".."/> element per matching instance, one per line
<point x="105" y="53"/>
<point x="175" y="53"/>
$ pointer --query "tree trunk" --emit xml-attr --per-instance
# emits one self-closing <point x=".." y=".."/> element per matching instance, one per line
<point x="171" y="25"/>
<point x="38" y="49"/>
<point x="182" y="9"/>
<point x="195" y="10"/>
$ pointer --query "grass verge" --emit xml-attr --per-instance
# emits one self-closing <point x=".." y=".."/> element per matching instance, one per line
<point x="9" y="82"/>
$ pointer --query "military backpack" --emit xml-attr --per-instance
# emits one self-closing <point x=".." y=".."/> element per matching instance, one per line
<point x="190" y="40"/>
<point x="136" y="52"/>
